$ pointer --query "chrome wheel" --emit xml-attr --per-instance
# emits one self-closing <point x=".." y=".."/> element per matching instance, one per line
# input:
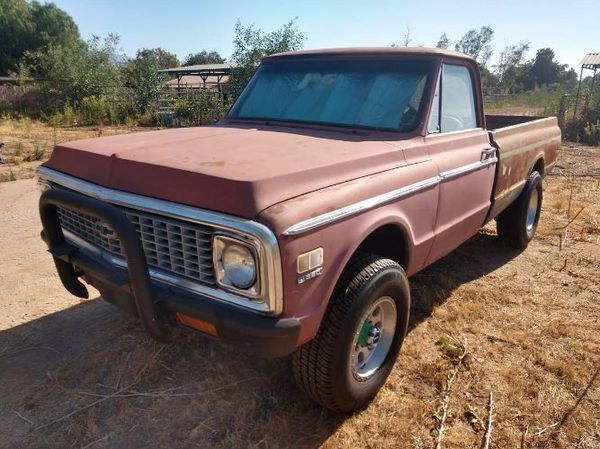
<point x="532" y="209"/>
<point x="373" y="338"/>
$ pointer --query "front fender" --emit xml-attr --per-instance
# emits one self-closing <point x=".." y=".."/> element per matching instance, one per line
<point x="414" y="214"/>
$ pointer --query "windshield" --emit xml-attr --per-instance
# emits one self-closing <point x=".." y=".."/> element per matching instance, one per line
<point x="367" y="93"/>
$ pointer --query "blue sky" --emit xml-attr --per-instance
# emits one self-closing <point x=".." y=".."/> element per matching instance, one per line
<point x="570" y="27"/>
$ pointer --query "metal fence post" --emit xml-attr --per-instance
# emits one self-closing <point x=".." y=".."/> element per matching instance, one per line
<point x="578" y="89"/>
<point x="562" y="111"/>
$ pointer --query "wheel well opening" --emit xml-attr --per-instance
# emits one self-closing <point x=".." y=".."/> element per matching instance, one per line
<point x="539" y="167"/>
<point x="389" y="241"/>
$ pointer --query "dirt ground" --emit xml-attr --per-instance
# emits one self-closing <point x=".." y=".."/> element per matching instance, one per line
<point x="80" y="374"/>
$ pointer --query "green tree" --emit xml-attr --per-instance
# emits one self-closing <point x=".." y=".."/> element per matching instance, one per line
<point x="164" y="59"/>
<point x="203" y="57"/>
<point x="32" y="27"/>
<point x="443" y="41"/>
<point x="145" y="80"/>
<point x="477" y="44"/>
<point x="544" y="70"/>
<point x="568" y="77"/>
<point x="252" y="44"/>
<point x="87" y="69"/>
<point x="510" y="66"/>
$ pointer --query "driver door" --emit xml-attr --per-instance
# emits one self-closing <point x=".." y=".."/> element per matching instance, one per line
<point x="460" y="147"/>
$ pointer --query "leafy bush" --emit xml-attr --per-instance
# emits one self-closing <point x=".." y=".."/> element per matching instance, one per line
<point x="591" y="133"/>
<point x="102" y="110"/>
<point x="150" y="119"/>
<point x="87" y="69"/>
<point x="579" y="130"/>
<point x="66" y="117"/>
<point x="585" y="128"/>
<point x="96" y="111"/>
<point x="145" y="81"/>
<point x="199" y="108"/>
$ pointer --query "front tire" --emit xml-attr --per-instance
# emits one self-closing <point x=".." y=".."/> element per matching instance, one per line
<point x="516" y="225"/>
<point x="360" y="336"/>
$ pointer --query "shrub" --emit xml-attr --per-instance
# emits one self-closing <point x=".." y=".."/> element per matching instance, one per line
<point x="95" y="110"/>
<point x="582" y="131"/>
<point x="37" y="154"/>
<point x="101" y="110"/>
<point x="86" y="69"/>
<point x="146" y="82"/>
<point x="585" y="128"/>
<point x="66" y="117"/>
<point x="591" y="133"/>
<point x="150" y="119"/>
<point x="201" y="108"/>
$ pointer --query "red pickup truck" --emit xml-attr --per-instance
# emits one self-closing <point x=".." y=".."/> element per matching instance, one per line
<point x="292" y="225"/>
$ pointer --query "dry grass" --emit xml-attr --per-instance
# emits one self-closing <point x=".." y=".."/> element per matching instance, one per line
<point x="501" y="109"/>
<point x="530" y="321"/>
<point x="27" y="143"/>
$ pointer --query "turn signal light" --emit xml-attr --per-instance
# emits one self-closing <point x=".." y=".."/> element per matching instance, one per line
<point x="198" y="324"/>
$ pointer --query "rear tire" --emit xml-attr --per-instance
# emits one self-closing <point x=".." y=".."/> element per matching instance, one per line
<point x="367" y="314"/>
<point x="516" y="225"/>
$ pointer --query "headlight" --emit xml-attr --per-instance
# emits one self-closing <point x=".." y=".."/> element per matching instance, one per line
<point x="235" y="265"/>
<point x="239" y="266"/>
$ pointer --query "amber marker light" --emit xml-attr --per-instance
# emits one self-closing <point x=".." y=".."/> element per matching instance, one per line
<point x="198" y="324"/>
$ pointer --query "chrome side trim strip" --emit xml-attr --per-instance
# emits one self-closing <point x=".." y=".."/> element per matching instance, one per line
<point x="359" y="207"/>
<point x="467" y="168"/>
<point x="451" y="133"/>
<point x="370" y="203"/>
<point x="270" y="259"/>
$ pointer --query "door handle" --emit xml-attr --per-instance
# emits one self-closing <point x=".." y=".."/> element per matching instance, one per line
<point x="488" y="153"/>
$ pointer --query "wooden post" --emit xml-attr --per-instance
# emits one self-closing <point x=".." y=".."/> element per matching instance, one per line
<point x="219" y="91"/>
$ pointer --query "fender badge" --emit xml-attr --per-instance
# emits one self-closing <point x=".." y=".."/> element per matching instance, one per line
<point x="310" y="275"/>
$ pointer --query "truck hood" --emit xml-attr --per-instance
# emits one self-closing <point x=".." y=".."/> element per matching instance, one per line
<point x="240" y="170"/>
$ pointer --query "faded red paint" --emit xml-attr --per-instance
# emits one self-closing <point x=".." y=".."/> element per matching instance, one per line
<point x="238" y="169"/>
<point x="281" y="175"/>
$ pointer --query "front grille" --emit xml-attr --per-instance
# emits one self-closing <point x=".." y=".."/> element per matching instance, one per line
<point x="172" y="246"/>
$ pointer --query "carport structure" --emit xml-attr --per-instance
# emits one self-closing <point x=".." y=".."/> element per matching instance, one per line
<point x="203" y="76"/>
<point x="591" y="61"/>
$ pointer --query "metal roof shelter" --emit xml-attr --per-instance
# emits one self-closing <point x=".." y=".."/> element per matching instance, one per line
<point x="591" y="61"/>
<point x="204" y="71"/>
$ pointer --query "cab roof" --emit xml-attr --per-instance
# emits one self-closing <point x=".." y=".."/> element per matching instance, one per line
<point x="372" y="51"/>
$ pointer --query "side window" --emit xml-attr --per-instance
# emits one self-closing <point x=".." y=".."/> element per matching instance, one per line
<point x="458" y="100"/>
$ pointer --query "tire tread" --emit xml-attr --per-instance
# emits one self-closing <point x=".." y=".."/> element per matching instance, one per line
<point x="510" y="223"/>
<point x="312" y="363"/>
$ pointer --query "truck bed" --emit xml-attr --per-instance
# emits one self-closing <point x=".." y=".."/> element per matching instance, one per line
<point x="493" y="122"/>
<point x="522" y="143"/>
